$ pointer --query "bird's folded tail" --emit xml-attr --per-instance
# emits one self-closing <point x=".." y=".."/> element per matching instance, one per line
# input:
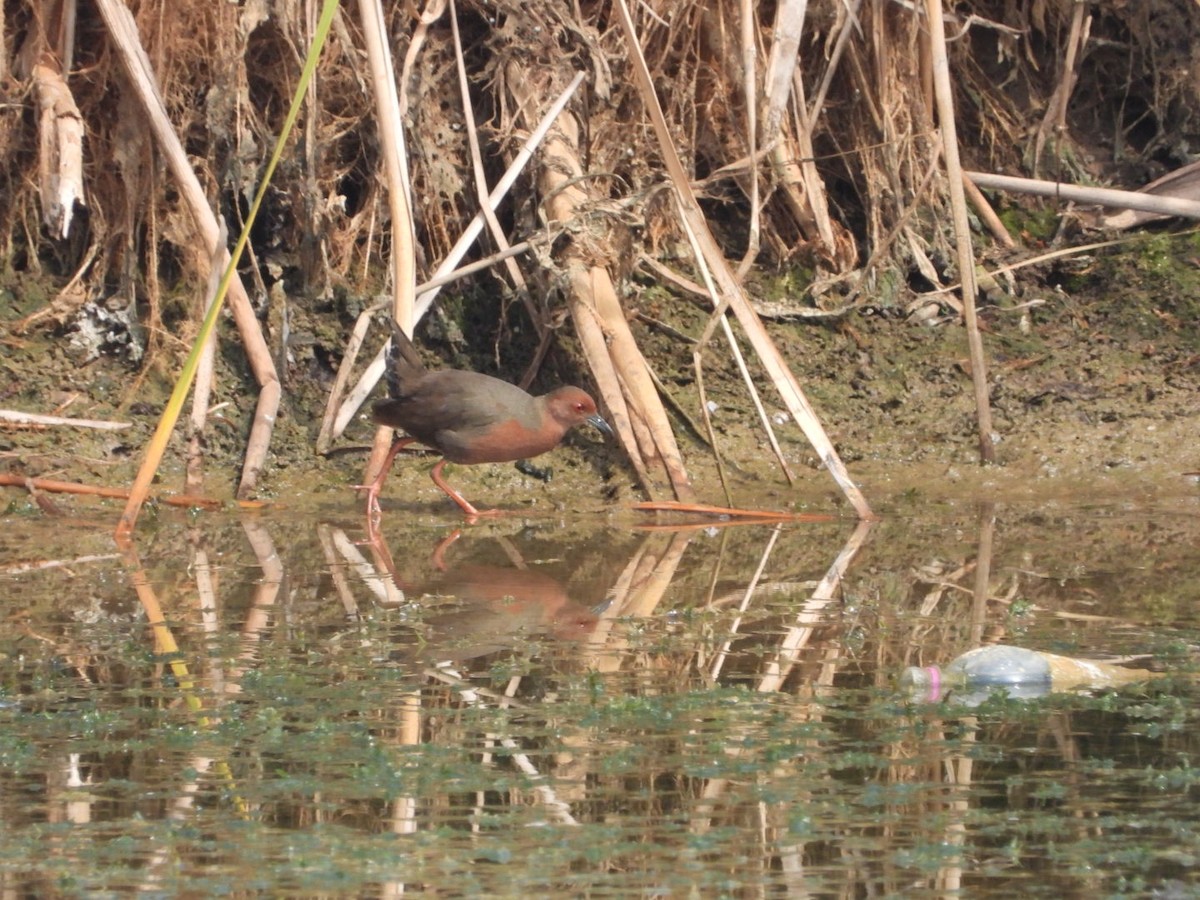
<point x="404" y="364"/>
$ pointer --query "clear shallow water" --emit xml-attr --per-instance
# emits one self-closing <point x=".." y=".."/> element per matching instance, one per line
<point x="587" y="708"/>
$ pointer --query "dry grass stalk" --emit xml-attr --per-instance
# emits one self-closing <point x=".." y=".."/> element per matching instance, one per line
<point x="481" y="194"/>
<point x="710" y="432"/>
<point x="940" y="65"/>
<point x="481" y="188"/>
<point x="1054" y="122"/>
<point x="720" y="308"/>
<point x="890" y="127"/>
<point x="736" y="515"/>
<point x="750" y="87"/>
<point x="793" y="157"/>
<point x="884" y="248"/>
<point x="24" y="418"/>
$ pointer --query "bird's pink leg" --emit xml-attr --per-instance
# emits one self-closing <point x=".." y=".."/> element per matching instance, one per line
<point x="375" y="487"/>
<point x="463" y="503"/>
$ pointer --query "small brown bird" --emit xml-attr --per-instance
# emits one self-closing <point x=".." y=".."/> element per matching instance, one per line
<point x="469" y="417"/>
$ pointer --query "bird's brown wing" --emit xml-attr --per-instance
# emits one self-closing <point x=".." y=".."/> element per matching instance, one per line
<point x="475" y="418"/>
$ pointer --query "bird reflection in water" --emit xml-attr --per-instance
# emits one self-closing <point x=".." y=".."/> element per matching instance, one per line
<point x="475" y="609"/>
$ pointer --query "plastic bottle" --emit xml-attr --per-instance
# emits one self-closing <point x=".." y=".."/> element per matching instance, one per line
<point x="1015" y="670"/>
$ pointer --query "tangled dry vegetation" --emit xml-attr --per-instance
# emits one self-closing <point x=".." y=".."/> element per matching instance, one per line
<point x="807" y="134"/>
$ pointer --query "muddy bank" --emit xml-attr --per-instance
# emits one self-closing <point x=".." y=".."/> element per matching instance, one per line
<point x="1094" y="378"/>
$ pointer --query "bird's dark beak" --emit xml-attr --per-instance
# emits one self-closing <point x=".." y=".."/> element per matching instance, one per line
<point x="598" y="421"/>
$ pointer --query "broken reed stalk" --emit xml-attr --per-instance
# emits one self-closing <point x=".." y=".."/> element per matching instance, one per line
<point x="777" y="369"/>
<point x="60" y="146"/>
<point x="630" y="429"/>
<point x="939" y="64"/>
<point x="596" y="311"/>
<point x="399" y="192"/>
<point x="749" y="41"/>
<point x="194" y="472"/>
<point x="1080" y="193"/>
<point x="123" y="31"/>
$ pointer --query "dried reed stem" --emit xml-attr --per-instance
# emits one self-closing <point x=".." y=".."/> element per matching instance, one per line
<point x="124" y="33"/>
<point x="1078" y="193"/>
<point x="940" y="66"/>
<point x="202" y="390"/>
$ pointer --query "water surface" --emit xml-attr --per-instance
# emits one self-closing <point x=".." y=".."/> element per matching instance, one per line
<point x="266" y="703"/>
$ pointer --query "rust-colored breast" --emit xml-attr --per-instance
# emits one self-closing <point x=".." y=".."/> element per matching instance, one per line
<point x="503" y="441"/>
